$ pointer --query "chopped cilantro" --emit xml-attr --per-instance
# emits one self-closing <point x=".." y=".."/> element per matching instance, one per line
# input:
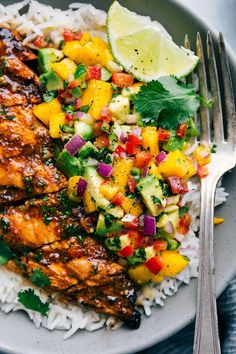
<point x="28" y="184"/>
<point x="156" y="200"/>
<point x="165" y="188"/>
<point x="113" y="243"/>
<point x="39" y="279"/>
<point x="85" y="108"/>
<point x="183" y="210"/>
<point x="166" y="102"/>
<point x="138" y="256"/>
<point x="108" y="218"/>
<point x="5" y="253"/>
<point x="48" y="213"/>
<point x="33" y="302"/>
<point x="50" y="95"/>
<point x="80" y="72"/>
<point x="213" y="148"/>
<point x="69" y="108"/>
<point x="71" y="230"/>
<point x="4" y="225"/>
<point x="67" y="129"/>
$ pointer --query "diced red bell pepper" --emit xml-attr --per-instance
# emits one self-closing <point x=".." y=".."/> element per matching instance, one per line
<point x="77" y="36"/>
<point x="94" y="72"/>
<point x="134" y="139"/>
<point x="184" y="224"/>
<point x="160" y="245"/>
<point x="163" y="134"/>
<point x="102" y="140"/>
<point x="202" y="171"/>
<point x="132" y="183"/>
<point x="41" y="42"/>
<point x="134" y="234"/>
<point x="118" y="199"/>
<point x="77" y="104"/>
<point x="142" y="158"/>
<point x="122" y="79"/>
<point x="181" y="130"/>
<point x="131" y="224"/>
<point x="106" y="114"/>
<point x="177" y="185"/>
<point x="154" y="264"/>
<point x="119" y="150"/>
<point x="68" y="117"/>
<point x="68" y="35"/>
<point x="126" y="251"/>
<point x="131" y="148"/>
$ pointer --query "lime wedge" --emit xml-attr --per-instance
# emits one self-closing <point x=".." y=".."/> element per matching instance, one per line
<point x="144" y="48"/>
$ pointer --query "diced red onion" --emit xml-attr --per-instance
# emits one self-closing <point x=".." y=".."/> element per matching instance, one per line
<point x="123" y="137"/>
<point x="160" y="157"/>
<point x="136" y="131"/>
<point x="169" y="228"/>
<point x="104" y="169"/>
<point x="74" y="144"/>
<point x="79" y="114"/>
<point x="145" y="171"/>
<point x="81" y="186"/>
<point x="149" y="225"/>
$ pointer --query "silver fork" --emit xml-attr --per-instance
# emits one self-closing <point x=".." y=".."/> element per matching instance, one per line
<point x="206" y="339"/>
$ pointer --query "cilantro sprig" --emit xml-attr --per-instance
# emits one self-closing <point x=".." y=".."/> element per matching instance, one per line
<point x="31" y="301"/>
<point x="39" y="279"/>
<point x="166" y="102"/>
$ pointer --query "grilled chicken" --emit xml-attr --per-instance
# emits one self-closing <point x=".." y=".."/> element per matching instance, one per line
<point x="18" y="83"/>
<point x="80" y="269"/>
<point x="26" y="151"/>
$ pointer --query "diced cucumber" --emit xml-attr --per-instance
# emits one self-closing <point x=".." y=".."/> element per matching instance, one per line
<point x="69" y="165"/>
<point x="47" y="56"/>
<point x="51" y="81"/>
<point x="84" y="130"/>
<point x="106" y="74"/>
<point x="87" y="150"/>
<point x="102" y="229"/>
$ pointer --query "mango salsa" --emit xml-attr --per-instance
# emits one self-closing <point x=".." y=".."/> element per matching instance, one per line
<point x="55" y="121"/>
<point x="65" y="68"/>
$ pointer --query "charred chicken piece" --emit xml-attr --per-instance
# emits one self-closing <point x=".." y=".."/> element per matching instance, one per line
<point x="22" y="133"/>
<point x="82" y="271"/>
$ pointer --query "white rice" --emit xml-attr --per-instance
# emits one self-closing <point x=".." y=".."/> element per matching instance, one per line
<point x="36" y="21"/>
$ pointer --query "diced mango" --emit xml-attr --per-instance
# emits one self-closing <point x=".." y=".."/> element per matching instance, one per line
<point x="177" y="164"/>
<point x="56" y="120"/>
<point x="108" y="190"/>
<point x="131" y="206"/>
<point x="99" y="41"/>
<point x="98" y="94"/>
<point x="203" y="155"/>
<point x="150" y="140"/>
<point x="43" y="110"/>
<point x="72" y="188"/>
<point x="71" y="49"/>
<point x="141" y="275"/>
<point x="121" y="172"/>
<point x="85" y="38"/>
<point x="89" y="204"/>
<point x="174" y="263"/>
<point x="218" y="221"/>
<point x="153" y="169"/>
<point x="65" y="68"/>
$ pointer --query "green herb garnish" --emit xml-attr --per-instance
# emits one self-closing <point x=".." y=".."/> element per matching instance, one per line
<point x="33" y="302"/>
<point x="39" y="279"/>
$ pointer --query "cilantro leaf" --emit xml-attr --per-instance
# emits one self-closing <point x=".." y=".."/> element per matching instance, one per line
<point x="5" y="253"/>
<point x="174" y="143"/>
<point x="166" y="102"/>
<point x="183" y="210"/>
<point x="50" y="95"/>
<point x="39" y="279"/>
<point x="33" y="302"/>
<point x="80" y="72"/>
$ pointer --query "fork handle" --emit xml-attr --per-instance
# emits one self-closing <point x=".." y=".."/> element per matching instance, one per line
<point x="206" y="339"/>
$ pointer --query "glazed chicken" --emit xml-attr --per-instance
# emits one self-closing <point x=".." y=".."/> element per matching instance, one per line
<point x="80" y="269"/>
<point x="26" y="151"/>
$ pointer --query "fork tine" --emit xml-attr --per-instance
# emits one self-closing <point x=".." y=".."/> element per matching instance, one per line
<point x="190" y="77"/>
<point x="204" y="111"/>
<point x="215" y="91"/>
<point x="228" y="92"/>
